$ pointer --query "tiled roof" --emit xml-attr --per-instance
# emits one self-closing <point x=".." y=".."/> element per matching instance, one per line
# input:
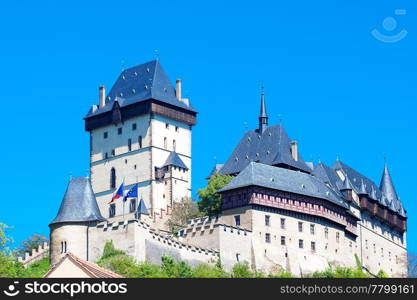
<point x="257" y="174"/>
<point x="93" y="270"/>
<point x="174" y="160"/>
<point x="79" y="203"/>
<point x="143" y="82"/>
<point x="384" y="195"/>
<point x="271" y="147"/>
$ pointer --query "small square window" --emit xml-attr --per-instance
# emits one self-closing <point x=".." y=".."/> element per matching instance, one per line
<point x="105" y="135"/>
<point x="134" y="126"/>
<point x="267" y="220"/>
<point x="237" y="220"/>
<point x="283" y="240"/>
<point x="282" y="223"/>
<point x="267" y="237"/>
<point x="119" y="130"/>
<point x="313" y="246"/>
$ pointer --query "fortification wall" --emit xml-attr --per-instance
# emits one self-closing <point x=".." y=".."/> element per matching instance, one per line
<point x="35" y="255"/>
<point x="143" y="243"/>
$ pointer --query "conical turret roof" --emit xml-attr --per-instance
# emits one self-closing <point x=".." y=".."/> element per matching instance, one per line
<point x="79" y="203"/>
<point x="387" y="186"/>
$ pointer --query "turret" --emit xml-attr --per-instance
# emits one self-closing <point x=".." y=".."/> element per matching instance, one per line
<point x="69" y="231"/>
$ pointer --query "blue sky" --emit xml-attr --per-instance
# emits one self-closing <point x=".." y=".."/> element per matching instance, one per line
<point x="339" y="91"/>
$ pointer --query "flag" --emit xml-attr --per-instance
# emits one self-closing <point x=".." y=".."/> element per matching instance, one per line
<point x="118" y="194"/>
<point x="132" y="193"/>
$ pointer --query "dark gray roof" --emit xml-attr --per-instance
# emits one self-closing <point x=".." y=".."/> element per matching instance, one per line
<point x="271" y="147"/>
<point x="347" y="185"/>
<point x="175" y="160"/>
<point x="79" y="203"/>
<point x="142" y="209"/>
<point x="357" y="179"/>
<point x="143" y="82"/>
<point x="388" y="191"/>
<point x="362" y="190"/>
<point x="256" y="174"/>
<point x="215" y="170"/>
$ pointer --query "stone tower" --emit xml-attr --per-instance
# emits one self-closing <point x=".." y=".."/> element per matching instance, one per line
<point x="140" y="133"/>
<point x="78" y="213"/>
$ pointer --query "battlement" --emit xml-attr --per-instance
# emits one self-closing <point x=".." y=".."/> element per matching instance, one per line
<point x="207" y="223"/>
<point x="35" y="255"/>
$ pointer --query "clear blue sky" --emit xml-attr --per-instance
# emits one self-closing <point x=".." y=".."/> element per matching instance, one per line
<point x="340" y="91"/>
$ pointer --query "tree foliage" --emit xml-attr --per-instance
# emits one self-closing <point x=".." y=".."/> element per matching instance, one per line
<point x="210" y="199"/>
<point x="182" y="212"/>
<point x="412" y="265"/>
<point x="32" y="242"/>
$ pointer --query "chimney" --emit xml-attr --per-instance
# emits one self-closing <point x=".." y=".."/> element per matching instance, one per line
<point x="294" y="150"/>
<point x="178" y="89"/>
<point x="102" y="95"/>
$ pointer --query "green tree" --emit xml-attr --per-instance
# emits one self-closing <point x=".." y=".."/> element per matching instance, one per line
<point x="29" y="244"/>
<point x="242" y="270"/>
<point x="182" y="212"/>
<point x="210" y="199"/>
<point x="37" y="269"/>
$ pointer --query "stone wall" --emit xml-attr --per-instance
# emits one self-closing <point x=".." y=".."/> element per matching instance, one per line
<point x="37" y="254"/>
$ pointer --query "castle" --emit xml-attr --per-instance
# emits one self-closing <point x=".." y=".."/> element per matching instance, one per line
<point x="278" y="212"/>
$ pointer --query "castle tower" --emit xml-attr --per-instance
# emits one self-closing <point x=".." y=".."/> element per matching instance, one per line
<point x="77" y="214"/>
<point x="140" y="133"/>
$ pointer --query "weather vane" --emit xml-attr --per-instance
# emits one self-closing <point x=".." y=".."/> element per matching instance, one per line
<point x="156" y="52"/>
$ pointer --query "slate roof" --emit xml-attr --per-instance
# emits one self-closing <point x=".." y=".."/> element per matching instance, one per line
<point x="174" y="160"/>
<point x="271" y="147"/>
<point x="93" y="270"/>
<point x="385" y="195"/>
<point x="257" y="174"/>
<point x="140" y="83"/>
<point x="79" y="203"/>
<point x="142" y="209"/>
<point x="215" y="170"/>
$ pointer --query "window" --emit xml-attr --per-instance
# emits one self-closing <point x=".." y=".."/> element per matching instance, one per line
<point x="300" y="226"/>
<point x="165" y="142"/>
<point x="105" y="135"/>
<point x="166" y="125"/>
<point x="313" y="246"/>
<point x="176" y="128"/>
<point x="337" y="237"/>
<point x="174" y="145"/>
<point x="366" y="244"/>
<point x="267" y="237"/>
<point x="326" y="233"/>
<point x="312" y="229"/>
<point x="267" y="220"/>
<point x="140" y="141"/>
<point x="129" y="145"/>
<point x="112" y="210"/>
<point x="113" y="152"/>
<point x="374" y="248"/>
<point x="119" y="130"/>
<point x="132" y="206"/>
<point x="283" y="240"/>
<point x="113" y="178"/>
<point x="300" y="244"/>
<point x="65" y="246"/>
<point x="382" y="252"/>
<point x="134" y="126"/>
<point x="282" y="223"/>
<point x="106" y="155"/>
<point x="237" y="220"/>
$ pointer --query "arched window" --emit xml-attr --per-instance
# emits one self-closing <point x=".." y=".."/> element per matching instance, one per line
<point x="113" y="178"/>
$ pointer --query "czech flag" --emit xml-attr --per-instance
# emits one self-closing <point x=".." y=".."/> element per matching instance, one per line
<point x="118" y="194"/>
<point x="132" y="193"/>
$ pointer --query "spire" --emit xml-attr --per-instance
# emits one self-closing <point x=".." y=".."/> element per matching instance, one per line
<point x="362" y="190"/>
<point x="142" y="209"/>
<point x="346" y="184"/>
<point x="373" y="194"/>
<point x="387" y="186"/>
<point x="263" y="117"/>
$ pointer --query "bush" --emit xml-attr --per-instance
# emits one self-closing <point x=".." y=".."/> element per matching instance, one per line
<point x="242" y="270"/>
<point x="37" y="269"/>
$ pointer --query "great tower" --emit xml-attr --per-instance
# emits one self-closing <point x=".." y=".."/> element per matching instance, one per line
<point x="140" y="133"/>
